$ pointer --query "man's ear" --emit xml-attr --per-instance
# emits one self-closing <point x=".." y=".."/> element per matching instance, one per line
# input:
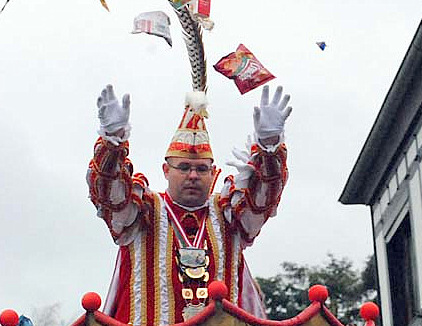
<point x="214" y="169"/>
<point x="166" y="170"/>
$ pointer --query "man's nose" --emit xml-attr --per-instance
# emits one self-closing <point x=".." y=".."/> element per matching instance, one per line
<point x="193" y="173"/>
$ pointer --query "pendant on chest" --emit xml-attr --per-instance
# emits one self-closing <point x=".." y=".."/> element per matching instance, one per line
<point x="193" y="264"/>
<point x="193" y="273"/>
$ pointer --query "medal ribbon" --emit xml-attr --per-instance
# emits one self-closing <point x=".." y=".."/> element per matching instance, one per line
<point x="184" y="241"/>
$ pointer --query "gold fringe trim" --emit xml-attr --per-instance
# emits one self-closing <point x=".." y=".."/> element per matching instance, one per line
<point x="144" y="279"/>
<point x="157" y="291"/>
<point x="169" y="262"/>
<point x="132" y="281"/>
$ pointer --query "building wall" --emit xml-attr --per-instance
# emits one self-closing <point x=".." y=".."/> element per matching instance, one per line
<point x="400" y="200"/>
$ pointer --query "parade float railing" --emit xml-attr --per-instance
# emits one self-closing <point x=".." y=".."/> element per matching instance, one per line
<point x="222" y="312"/>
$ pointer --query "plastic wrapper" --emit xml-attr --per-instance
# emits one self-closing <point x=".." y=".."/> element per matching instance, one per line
<point x="180" y="3"/>
<point x="200" y="10"/>
<point x="155" y="23"/>
<point x="244" y="68"/>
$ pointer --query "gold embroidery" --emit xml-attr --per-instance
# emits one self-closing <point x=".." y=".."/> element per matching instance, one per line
<point x="144" y="278"/>
<point x="132" y="281"/>
<point x="157" y="291"/>
<point x="169" y="261"/>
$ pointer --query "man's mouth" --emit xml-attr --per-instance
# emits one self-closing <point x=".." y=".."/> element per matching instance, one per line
<point x="191" y="188"/>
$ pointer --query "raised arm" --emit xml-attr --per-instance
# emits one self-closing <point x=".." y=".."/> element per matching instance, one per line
<point x="252" y="196"/>
<point x="118" y="195"/>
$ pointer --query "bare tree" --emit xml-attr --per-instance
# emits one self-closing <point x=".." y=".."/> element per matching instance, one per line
<point x="47" y="315"/>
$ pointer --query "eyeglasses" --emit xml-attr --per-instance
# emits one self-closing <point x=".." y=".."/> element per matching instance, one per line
<point x="186" y="168"/>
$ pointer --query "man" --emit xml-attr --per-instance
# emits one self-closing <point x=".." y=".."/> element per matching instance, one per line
<point x="173" y="244"/>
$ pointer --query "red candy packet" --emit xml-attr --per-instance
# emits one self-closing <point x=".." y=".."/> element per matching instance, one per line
<point x="242" y="66"/>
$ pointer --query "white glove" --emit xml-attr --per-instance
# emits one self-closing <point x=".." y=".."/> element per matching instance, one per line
<point x="112" y="116"/>
<point x="269" y="118"/>
<point x="243" y="166"/>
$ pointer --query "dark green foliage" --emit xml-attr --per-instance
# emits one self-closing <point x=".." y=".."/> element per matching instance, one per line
<point x="286" y="294"/>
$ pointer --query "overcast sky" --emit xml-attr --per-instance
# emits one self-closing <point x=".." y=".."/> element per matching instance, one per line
<point x="56" y="56"/>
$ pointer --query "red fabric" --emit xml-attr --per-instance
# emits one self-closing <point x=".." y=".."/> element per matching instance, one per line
<point x="150" y="275"/>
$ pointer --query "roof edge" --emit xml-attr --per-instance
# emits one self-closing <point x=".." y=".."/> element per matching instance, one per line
<point x="357" y="190"/>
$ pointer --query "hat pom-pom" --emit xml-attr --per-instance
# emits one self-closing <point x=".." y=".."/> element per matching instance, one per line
<point x="197" y="101"/>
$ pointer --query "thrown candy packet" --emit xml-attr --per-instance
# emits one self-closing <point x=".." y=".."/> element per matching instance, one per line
<point x="242" y="66"/>
<point x="200" y="10"/>
<point x="153" y="22"/>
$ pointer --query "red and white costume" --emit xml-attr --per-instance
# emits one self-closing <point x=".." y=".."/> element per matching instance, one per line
<point x="146" y="288"/>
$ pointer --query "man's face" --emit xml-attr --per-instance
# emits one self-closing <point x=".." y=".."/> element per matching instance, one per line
<point x="189" y="180"/>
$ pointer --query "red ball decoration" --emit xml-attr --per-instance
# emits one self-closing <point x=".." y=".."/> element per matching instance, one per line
<point x="91" y="301"/>
<point x="217" y="290"/>
<point x="9" y="317"/>
<point x="369" y="311"/>
<point x="318" y="293"/>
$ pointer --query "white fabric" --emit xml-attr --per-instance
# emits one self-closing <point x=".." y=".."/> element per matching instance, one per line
<point x="116" y="140"/>
<point x="243" y="164"/>
<point x="110" y="301"/>
<point x="216" y="226"/>
<point x="162" y="265"/>
<point x="126" y="216"/>
<point x="251" y="297"/>
<point x="137" y="280"/>
<point x="252" y="223"/>
<point x="269" y="118"/>
<point x="112" y="115"/>
<point x="236" y="252"/>
<point x="270" y="148"/>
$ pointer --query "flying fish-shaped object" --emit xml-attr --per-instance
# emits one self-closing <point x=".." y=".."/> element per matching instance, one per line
<point x="321" y="45"/>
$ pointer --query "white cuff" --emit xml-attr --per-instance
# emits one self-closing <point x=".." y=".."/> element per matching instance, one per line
<point x="115" y="140"/>
<point x="270" y="148"/>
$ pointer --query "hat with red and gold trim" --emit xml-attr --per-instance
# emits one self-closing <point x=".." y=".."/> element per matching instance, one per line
<point x="191" y="138"/>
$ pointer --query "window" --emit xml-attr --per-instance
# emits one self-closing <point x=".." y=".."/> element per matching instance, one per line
<point x="401" y="271"/>
<point x="402" y="170"/>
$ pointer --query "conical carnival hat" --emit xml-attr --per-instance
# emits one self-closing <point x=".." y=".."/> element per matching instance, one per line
<point x="191" y="138"/>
